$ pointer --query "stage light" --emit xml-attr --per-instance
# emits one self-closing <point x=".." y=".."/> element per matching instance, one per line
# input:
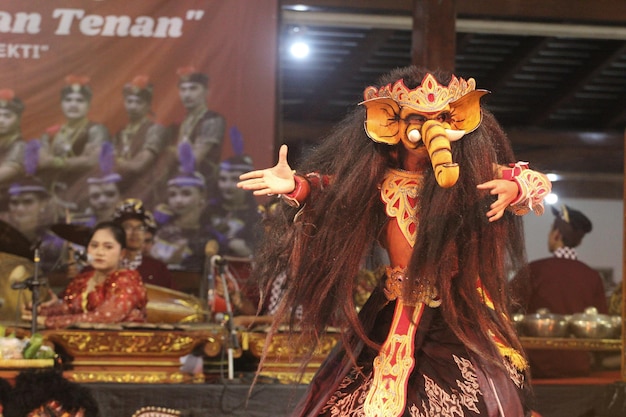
<point x="299" y="49"/>
<point x="551" y="199"/>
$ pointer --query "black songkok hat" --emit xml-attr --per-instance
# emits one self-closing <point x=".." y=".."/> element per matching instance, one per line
<point x="192" y="75"/>
<point x="9" y="101"/>
<point x="572" y="224"/>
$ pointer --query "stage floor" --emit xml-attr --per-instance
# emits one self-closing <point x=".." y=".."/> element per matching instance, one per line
<point x="234" y="398"/>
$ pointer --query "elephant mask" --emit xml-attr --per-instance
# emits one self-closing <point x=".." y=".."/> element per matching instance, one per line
<point x="430" y="113"/>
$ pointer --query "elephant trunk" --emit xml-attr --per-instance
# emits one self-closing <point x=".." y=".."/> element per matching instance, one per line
<point x="438" y="146"/>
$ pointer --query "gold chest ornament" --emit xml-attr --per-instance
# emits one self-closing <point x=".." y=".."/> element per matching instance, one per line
<point x="399" y="192"/>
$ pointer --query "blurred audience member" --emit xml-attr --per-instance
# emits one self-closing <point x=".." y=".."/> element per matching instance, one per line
<point x="104" y="293"/>
<point x="131" y="215"/>
<point x="151" y="229"/>
<point x="563" y="285"/>
<point x="45" y="393"/>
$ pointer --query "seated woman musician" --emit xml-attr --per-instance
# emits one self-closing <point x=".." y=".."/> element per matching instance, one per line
<point x="104" y="294"/>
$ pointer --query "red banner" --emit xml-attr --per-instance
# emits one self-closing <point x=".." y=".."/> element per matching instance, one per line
<point x="112" y="41"/>
<point x="106" y="45"/>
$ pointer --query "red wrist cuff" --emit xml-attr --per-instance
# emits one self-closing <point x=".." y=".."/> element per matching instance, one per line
<point x="299" y="193"/>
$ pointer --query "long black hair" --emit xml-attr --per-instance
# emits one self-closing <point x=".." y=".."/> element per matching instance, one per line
<point x="322" y="247"/>
<point x="116" y="230"/>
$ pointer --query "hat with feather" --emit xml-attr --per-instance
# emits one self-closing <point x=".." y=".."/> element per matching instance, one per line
<point x="106" y="161"/>
<point x="240" y="162"/>
<point x="29" y="183"/>
<point x="188" y="176"/>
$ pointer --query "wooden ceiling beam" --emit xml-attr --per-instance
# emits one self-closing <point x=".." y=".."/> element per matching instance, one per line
<point x="592" y="12"/>
<point x="596" y="12"/>
<point x="433" y="42"/>
<point x="312" y="132"/>
<point x="576" y="82"/>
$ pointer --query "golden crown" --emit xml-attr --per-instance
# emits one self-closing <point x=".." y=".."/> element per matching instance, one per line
<point x="428" y="97"/>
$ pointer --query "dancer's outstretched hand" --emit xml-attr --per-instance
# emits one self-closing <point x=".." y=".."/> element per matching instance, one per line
<point x="276" y="180"/>
<point x="506" y="191"/>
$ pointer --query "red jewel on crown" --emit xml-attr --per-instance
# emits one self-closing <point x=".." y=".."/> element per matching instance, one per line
<point x="428" y="97"/>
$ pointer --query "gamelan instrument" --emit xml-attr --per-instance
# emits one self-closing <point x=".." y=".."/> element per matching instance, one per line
<point x="13" y="269"/>
<point x="170" y="306"/>
<point x="74" y="233"/>
<point x="14" y="242"/>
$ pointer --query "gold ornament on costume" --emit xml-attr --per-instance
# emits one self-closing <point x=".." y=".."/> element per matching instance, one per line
<point x="393" y="365"/>
<point x="399" y="193"/>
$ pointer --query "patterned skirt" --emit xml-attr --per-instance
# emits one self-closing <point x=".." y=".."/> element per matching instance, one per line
<point x="446" y="380"/>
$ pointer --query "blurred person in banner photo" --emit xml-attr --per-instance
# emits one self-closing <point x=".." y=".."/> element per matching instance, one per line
<point x="69" y="152"/>
<point x="204" y="129"/>
<point x="149" y="233"/>
<point x="104" y="293"/>
<point x="11" y="143"/>
<point x="564" y="285"/>
<point x="102" y="190"/>
<point x="140" y="144"/>
<point x="134" y="219"/>
<point x="28" y="201"/>
<point x="184" y="227"/>
<point x="235" y="213"/>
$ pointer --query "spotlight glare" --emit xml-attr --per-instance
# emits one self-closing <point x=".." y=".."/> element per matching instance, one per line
<point x="551" y="199"/>
<point x="553" y="177"/>
<point x="299" y="50"/>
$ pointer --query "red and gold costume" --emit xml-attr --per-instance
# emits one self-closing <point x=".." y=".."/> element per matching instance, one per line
<point x="120" y="298"/>
<point x="388" y="385"/>
<point x="434" y="337"/>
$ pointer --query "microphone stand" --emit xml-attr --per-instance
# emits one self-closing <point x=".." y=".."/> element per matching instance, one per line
<point x="232" y="340"/>
<point x="210" y="290"/>
<point x="33" y="285"/>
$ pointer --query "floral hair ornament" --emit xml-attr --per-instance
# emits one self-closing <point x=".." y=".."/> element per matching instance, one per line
<point x="387" y="107"/>
<point x="139" y="86"/>
<point x="191" y="75"/>
<point x="77" y="84"/>
<point x="10" y="102"/>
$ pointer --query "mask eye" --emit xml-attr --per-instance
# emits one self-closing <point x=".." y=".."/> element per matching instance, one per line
<point x="416" y="119"/>
<point x="444" y="117"/>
